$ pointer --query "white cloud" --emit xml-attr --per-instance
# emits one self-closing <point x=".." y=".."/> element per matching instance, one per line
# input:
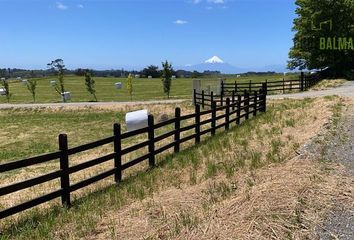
<point x="217" y="1"/>
<point x="61" y="6"/>
<point x="180" y="22"/>
<point x="80" y="6"/>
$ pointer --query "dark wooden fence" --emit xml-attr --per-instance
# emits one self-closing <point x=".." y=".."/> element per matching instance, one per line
<point x="231" y="90"/>
<point x="233" y="111"/>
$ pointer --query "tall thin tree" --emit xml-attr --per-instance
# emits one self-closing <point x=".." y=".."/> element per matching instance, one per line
<point x="166" y="77"/>
<point x="90" y="83"/>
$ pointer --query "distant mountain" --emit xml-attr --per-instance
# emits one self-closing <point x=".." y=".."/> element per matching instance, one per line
<point x="214" y="64"/>
<point x="217" y="64"/>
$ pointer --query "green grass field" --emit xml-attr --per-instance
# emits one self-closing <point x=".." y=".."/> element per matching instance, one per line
<point x="144" y="89"/>
<point x="262" y="142"/>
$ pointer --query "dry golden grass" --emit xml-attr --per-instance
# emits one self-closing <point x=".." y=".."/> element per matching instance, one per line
<point x="263" y="198"/>
<point x="243" y="184"/>
<point x="328" y="83"/>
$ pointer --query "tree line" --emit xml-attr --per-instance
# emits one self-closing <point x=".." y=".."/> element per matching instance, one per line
<point x="57" y="68"/>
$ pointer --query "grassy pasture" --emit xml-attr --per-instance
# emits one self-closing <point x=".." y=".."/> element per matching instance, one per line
<point x="143" y="89"/>
<point x="263" y="141"/>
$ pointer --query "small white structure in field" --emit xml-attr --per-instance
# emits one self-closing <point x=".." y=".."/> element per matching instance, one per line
<point x="118" y="85"/>
<point x="238" y="75"/>
<point x="285" y="73"/>
<point x="66" y="96"/>
<point x="24" y="82"/>
<point x="2" y="92"/>
<point x="53" y="83"/>
<point x="3" y="79"/>
<point x="137" y="76"/>
<point x="173" y="77"/>
<point x="136" y="120"/>
<point x="149" y="77"/>
<point x="18" y="78"/>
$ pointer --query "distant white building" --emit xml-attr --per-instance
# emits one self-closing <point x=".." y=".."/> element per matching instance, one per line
<point x="137" y="76"/>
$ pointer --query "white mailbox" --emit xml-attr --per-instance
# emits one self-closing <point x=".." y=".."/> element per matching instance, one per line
<point x="53" y="83"/>
<point x="118" y="85"/>
<point x="136" y="120"/>
<point x="66" y="96"/>
<point x="2" y="92"/>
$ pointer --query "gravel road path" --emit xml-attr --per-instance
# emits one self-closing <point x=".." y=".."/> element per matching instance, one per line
<point x="85" y="104"/>
<point x="345" y="90"/>
<point x="340" y="223"/>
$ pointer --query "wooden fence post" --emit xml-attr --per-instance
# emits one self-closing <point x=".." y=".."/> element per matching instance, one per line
<point x="64" y="167"/>
<point x="197" y="124"/>
<point x="221" y="100"/>
<point x="291" y="85"/>
<point x="246" y="104"/>
<point x="264" y="97"/>
<point x="151" y="138"/>
<point x="213" y="118"/>
<point x="235" y="87"/>
<point x="302" y="82"/>
<point x="177" y="129"/>
<point x="233" y="100"/>
<point x="238" y="113"/>
<point x="117" y="153"/>
<point x="211" y="98"/>
<point x="250" y="86"/>
<point x="203" y="99"/>
<point x="283" y="85"/>
<point x="194" y="96"/>
<point x="227" y="114"/>
<point x="222" y="88"/>
<point x="255" y="102"/>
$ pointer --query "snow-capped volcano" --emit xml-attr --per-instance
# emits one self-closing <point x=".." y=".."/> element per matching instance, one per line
<point x="214" y="59"/>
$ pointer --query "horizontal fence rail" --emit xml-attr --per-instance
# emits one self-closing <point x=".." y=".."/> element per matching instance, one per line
<point x="231" y="90"/>
<point x="220" y="115"/>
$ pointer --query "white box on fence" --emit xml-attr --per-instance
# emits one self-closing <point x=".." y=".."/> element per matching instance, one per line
<point x="118" y="85"/>
<point x="136" y="120"/>
<point x="2" y="92"/>
<point x="53" y="83"/>
<point x="66" y="96"/>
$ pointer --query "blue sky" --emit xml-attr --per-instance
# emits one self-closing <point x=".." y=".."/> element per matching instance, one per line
<point x="106" y="34"/>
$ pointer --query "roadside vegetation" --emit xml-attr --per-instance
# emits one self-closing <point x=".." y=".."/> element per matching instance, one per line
<point x="244" y="176"/>
<point x="328" y="84"/>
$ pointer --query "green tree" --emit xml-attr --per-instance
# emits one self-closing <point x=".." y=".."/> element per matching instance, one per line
<point x="152" y="71"/>
<point x="130" y="85"/>
<point x="166" y="77"/>
<point x="31" y="86"/>
<point x="59" y="68"/>
<point x="320" y="26"/>
<point x="90" y="83"/>
<point x="5" y="84"/>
